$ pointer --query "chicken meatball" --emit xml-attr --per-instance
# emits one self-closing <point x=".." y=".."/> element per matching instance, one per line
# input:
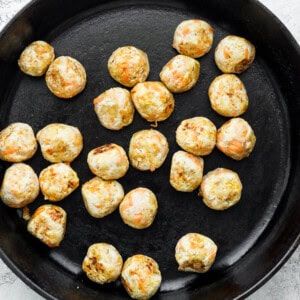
<point x="101" y="197"/>
<point x="186" y="171"/>
<point x="197" y="135"/>
<point x="180" y="74"/>
<point x="66" y="77"/>
<point x="17" y="142"/>
<point x="236" y="138"/>
<point x="141" y="276"/>
<point x="153" y="101"/>
<point x="193" y="38"/>
<point x="36" y="58"/>
<point x="148" y="149"/>
<point x="221" y="189"/>
<point x="108" y="161"/>
<point x="195" y="252"/>
<point x="228" y="96"/>
<point x="102" y="263"/>
<point x="234" y="54"/>
<point x="128" y="65"/>
<point x="48" y="224"/>
<point x="20" y="185"/>
<point x="58" y="181"/>
<point x="138" y="208"/>
<point x="114" y="108"/>
<point x="60" y="142"/>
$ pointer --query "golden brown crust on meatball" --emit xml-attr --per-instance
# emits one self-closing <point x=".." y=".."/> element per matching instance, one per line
<point x="48" y="224"/>
<point x="197" y="135"/>
<point x="128" y="65"/>
<point x="108" y="161"/>
<point x="186" y="171"/>
<point x="60" y="142"/>
<point x="236" y="138"/>
<point x="101" y="197"/>
<point x="141" y="276"/>
<point x="228" y="95"/>
<point x="102" y="263"/>
<point x="138" y="208"/>
<point x="153" y="101"/>
<point x="17" y="142"/>
<point x="20" y="185"/>
<point x="234" y="54"/>
<point x="58" y="181"/>
<point x="180" y="74"/>
<point x="193" y="38"/>
<point x="66" y="77"/>
<point x="195" y="252"/>
<point x="148" y="149"/>
<point x="114" y="108"/>
<point x="221" y="189"/>
<point x="36" y="58"/>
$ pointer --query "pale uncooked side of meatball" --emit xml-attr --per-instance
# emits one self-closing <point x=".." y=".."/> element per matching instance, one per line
<point x="103" y="263"/>
<point x="17" y="142"/>
<point x="60" y="142"/>
<point x="114" y="108"/>
<point x="180" y="74"/>
<point x="58" y="181"/>
<point x="228" y="96"/>
<point x="101" y="197"/>
<point x="221" y="189"/>
<point x="139" y="208"/>
<point x="234" y="54"/>
<point x="128" y="65"/>
<point x="193" y="38"/>
<point x="48" y="224"/>
<point x="141" y="276"/>
<point x="236" y="138"/>
<point x="108" y="161"/>
<point x="36" y="58"/>
<point x="66" y="77"/>
<point x="20" y="185"/>
<point x="148" y="149"/>
<point x="186" y="171"/>
<point x="195" y="252"/>
<point x="153" y="101"/>
<point x="197" y="135"/>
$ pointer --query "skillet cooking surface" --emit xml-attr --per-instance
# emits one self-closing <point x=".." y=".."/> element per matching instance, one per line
<point x="252" y="237"/>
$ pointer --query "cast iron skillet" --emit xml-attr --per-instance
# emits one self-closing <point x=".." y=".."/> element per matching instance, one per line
<point x="254" y="238"/>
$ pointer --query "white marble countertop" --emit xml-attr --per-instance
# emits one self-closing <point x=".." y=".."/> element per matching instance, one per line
<point x="284" y="285"/>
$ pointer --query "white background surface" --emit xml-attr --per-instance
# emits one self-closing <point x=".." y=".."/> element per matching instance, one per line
<point x="285" y="285"/>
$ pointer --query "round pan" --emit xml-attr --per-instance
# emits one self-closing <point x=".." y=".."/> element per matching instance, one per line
<point x="254" y="238"/>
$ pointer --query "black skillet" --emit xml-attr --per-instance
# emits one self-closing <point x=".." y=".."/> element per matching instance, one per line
<point x="255" y="237"/>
